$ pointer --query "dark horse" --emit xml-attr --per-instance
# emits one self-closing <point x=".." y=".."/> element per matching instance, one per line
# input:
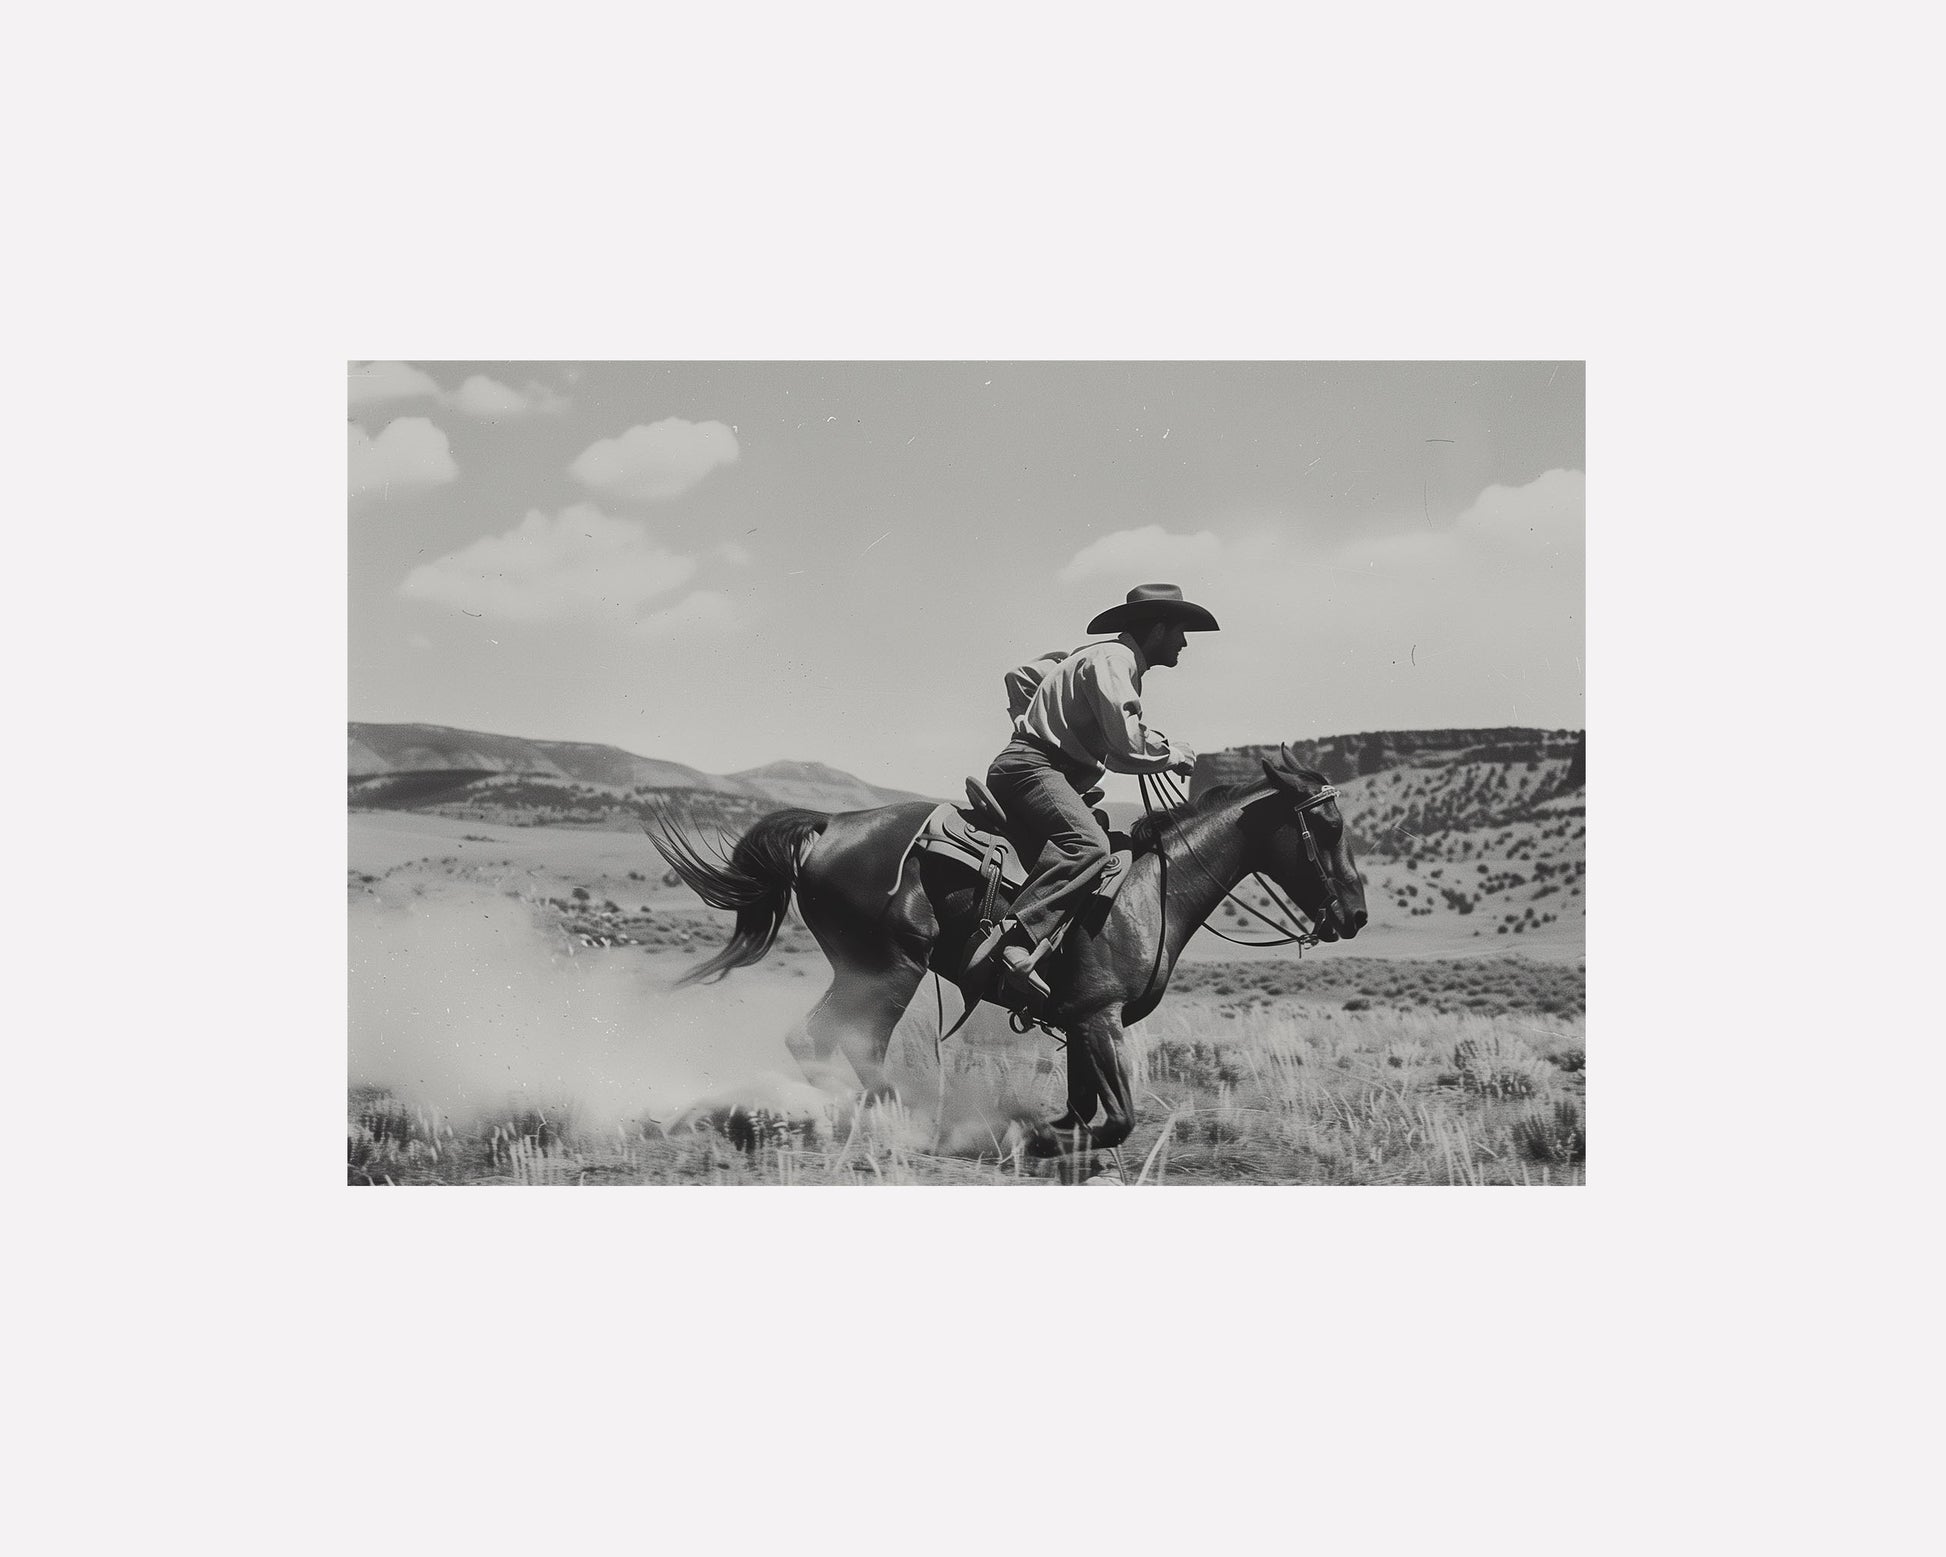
<point x="882" y="925"/>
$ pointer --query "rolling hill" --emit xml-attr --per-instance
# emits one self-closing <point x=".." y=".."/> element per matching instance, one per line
<point x="1407" y="789"/>
<point x="475" y="776"/>
<point x="817" y="787"/>
<point x="1461" y="834"/>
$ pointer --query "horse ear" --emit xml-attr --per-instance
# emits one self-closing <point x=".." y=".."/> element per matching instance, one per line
<point x="1288" y="756"/>
<point x="1282" y="779"/>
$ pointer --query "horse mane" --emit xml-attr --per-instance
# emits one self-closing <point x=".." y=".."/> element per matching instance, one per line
<point x="1148" y="831"/>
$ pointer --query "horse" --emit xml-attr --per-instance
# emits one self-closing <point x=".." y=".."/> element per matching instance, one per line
<point x="1109" y="972"/>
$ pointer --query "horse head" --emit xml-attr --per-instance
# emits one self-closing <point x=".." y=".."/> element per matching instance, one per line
<point x="1310" y="851"/>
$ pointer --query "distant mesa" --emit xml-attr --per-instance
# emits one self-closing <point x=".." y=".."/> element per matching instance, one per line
<point x="1341" y="758"/>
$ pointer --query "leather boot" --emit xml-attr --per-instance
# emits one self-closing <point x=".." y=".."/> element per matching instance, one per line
<point x="1017" y="963"/>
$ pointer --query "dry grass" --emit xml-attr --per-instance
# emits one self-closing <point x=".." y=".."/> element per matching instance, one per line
<point x="1257" y="1090"/>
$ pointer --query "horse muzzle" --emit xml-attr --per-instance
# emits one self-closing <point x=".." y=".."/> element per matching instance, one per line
<point x="1343" y="923"/>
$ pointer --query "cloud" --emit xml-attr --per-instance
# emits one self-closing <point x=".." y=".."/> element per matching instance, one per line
<point x="410" y="453"/>
<point x="493" y="401"/>
<point x="374" y="383"/>
<point x="1551" y="510"/>
<point x="579" y="563"/>
<point x="657" y="461"/>
<point x="1504" y="528"/>
<point x="378" y="383"/>
<point x="1477" y="622"/>
<point x="1508" y="531"/>
<point x="734" y="553"/>
<point x="1143" y="556"/>
<point x="703" y="608"/>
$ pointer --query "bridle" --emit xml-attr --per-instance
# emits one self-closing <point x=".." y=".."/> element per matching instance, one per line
<point x="1173" y="794"/>
<point x="1311" y="851"/>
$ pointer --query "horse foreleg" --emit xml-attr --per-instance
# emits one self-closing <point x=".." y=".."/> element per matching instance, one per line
<point x="1057" y="1137"/>
<point x="1100" y="1036"/>
<point x="1083" y="1093"/>
<point x="1097" y="1079"/>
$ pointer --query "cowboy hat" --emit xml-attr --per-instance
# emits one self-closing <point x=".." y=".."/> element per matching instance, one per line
<point x="1150" y="602"/>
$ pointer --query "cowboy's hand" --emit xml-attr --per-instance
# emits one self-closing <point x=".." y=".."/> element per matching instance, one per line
<point x="1181" y="759"/>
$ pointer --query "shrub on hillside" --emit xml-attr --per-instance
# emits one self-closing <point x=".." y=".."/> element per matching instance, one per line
<point x="1198" y="1064"/>
<point x="1498" y="1066"/>
<point x="1552" y="1135"/>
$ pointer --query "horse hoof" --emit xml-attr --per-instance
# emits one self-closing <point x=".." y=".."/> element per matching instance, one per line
<point x="1043" y="1142"/>
<point x="1088" y="1169"/>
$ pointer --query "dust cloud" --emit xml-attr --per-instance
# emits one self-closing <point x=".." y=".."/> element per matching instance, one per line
<point x="465" y="1003"/>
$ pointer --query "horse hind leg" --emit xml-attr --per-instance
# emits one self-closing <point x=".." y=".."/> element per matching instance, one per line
<point x="814" y="1042"/>
<point x="857" y="1015"/>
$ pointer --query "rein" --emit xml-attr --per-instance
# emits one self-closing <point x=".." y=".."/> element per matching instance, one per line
<point x="1170" y="792"/>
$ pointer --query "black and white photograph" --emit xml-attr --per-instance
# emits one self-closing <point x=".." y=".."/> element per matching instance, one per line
<point x="933" y="603"/>
<point x="967" y="773"/>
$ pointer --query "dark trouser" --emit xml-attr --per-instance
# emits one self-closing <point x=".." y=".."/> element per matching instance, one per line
<point x="1042" y="797"/>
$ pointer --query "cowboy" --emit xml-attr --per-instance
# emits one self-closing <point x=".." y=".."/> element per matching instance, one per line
<point x="1074" y="715"/>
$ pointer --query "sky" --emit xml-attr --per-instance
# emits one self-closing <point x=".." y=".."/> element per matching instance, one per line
<point x="728" y="564"/>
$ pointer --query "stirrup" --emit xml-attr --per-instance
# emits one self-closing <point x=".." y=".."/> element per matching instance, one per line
<point x="983" y="953"/>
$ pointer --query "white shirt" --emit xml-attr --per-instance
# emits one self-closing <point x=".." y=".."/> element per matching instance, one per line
<point x="1089" y="704"/>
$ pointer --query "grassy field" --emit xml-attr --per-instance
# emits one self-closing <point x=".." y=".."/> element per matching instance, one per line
<point x="1331" y="1071"/>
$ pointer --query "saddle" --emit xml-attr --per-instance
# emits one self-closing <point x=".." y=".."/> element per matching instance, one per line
<point x="975" y="835"/>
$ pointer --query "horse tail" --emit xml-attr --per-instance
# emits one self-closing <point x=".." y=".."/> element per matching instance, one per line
<point x="756" y="881"/>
